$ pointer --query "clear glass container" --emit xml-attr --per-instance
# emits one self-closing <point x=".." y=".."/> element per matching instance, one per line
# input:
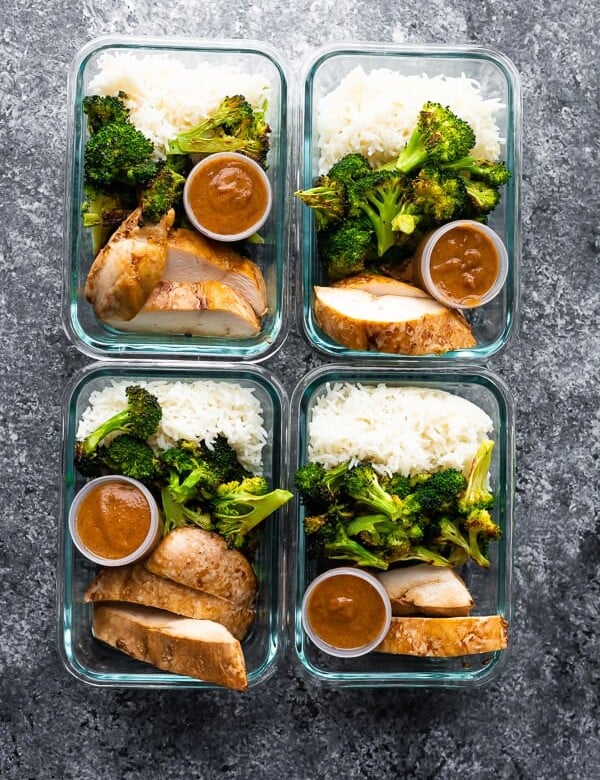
<point x="494" y="323"/>
<point x="94" y="662"/>
<point x="99" y="340"/>
<point x="490" y="588"/>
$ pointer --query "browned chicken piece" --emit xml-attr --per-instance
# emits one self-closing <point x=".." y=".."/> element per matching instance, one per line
<point x="136" y="585"/>
<point x="128" y="268"/>
<point x="202" y="560"/>
<point x="427" y="590"/>
<point x="197" y="648"/>
<point x="397" y="324"/>
<point x="194" y="308"/>
<point x="191" y="257"/>
<point x="445" y="637"/>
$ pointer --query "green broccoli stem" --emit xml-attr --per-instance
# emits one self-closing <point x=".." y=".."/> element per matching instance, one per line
<point x="115" y="423"/>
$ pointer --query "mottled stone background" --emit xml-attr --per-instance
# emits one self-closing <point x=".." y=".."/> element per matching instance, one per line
<point x="540" y="719"/>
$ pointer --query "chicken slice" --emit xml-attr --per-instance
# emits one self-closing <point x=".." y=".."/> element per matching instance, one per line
<point x="194" y="308"/>
<point x="128" y="268"/>
<point x="428" y="590"/>
<point x="390" y="323"/>
<point x="193" y="258"/>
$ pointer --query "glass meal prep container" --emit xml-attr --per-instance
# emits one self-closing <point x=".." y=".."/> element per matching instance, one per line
<point x="99" y="340"/>
<point x="93" y="661"/>
<point x="492" y="323"/>
<point x="490" y="588"/>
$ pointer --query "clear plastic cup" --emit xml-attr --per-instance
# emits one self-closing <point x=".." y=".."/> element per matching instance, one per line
<point x="422" y="265"/>
<point x="347" y="652"/>
<point x="199" y="169"/>
<point x="150" y="540"/>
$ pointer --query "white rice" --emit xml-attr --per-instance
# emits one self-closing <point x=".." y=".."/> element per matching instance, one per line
<point x="374" y="113"/>
<point x="196" y="410"/>
<point x="398" y="429"/>
<point x="165" y="97"/>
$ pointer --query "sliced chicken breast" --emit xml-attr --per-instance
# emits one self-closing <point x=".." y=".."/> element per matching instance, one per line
<point x="446" y="636"/>
<point x="427" y="590"/>
<point x="194" y="308"/>
<point x="202" y="560"/>
<point x="198" y="648"/>
<point x="193" y="258"/>
<point x="390" y="323"/>
<point x="136" y="585"/>
<point x="127" y="269"/>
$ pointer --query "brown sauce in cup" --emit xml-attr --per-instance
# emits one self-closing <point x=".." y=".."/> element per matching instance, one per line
<point x="464" y="265"/>
<point x="346" y="611"/>
<point x="113" y="520"/>
<point x="227" y="195"/>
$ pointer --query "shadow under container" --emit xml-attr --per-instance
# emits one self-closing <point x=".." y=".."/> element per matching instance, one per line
<point x="493" y="324"/>
<point x="89" y="334"/>
<point x="94" y="662"/>
<point x="490" y="588"/>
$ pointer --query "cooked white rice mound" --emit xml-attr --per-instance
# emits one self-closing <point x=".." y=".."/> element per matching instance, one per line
<point x="196" y="410"/>
<point x="398" y="429"/>
<point x="374" y="113"/>
<point x="165" y="97"/>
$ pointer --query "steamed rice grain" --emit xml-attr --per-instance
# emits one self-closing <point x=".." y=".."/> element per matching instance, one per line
<point x="191" y="410"/>
<point x="404" y="430"/>
<point x="374" y="113"/>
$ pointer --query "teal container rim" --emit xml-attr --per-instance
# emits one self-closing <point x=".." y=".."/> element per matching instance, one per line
<point x="416" y="375"/>
<point x="278" y="544"/>
<point x="311" y="332"/>
<point x="174" y="347"/>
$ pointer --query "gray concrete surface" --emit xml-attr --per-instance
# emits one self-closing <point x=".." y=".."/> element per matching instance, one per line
<point x="540" y="719"/>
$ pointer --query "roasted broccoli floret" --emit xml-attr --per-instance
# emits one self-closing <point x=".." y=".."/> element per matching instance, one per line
<point x="189" y="474"/>
<point x="439" y="492"/>
<point x="438" y="195"/>
<point x="372" y="530"/>
<point x="140" y="418"/>
<point x="118" y="154"/>
<point x="233" y="127"/>
<point x="238" y="509"/>
<point x="420" y="553"/>
<point x="163" y="192"/>
<point x="327" y="200"/>
<point x="346" y="249"/>
<point x="362" y="483"/>
<point x="342" y="547"/>
<point x="103" y="109"/>
<point x="380" y="196"/>
<point x="308" y="480"/>
<point x="439" y="137"/>
<point x="223" y="457"/>
<point x="481" y="199"/>
<point x="476" y="494"/>
<point x="103" y="213"/>
<point x="494" y="173"/>
<point x="328" y="197"/>
<point x="130" y="456"/>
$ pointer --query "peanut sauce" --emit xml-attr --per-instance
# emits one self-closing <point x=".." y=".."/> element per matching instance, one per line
<point x="346" y="611"/>
<point x="464" y="264"/>
<point x="113" y="519"/>
<point x="227" y="195"/>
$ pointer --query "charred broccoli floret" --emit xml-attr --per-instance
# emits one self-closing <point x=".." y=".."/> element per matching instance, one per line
<point x="103" y="109"/>
<point x="189" y="475"/>
<point x="438" y="195"/>
<point x="163" y="192"/>
<point x="240" y="506"/>
<point x="342" y="547"/>
<point x="362" y="483"/>
<point x="140" y="418"/>
<point x="439" y="137"/>
<point x="493" y="172"/>
<point x="379" y="196"/>
<point x="346" y="249"/>
<point x="234" y="127"/>
<point x="131" y="457"/>
<point x="117" y="155"/>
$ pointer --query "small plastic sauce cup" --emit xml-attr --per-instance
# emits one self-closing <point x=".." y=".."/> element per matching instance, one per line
<point x="484" y="236"/>
<point x="227" y="196"/>
<point x="147" y="544"/>
<point x="343" y="608"/>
